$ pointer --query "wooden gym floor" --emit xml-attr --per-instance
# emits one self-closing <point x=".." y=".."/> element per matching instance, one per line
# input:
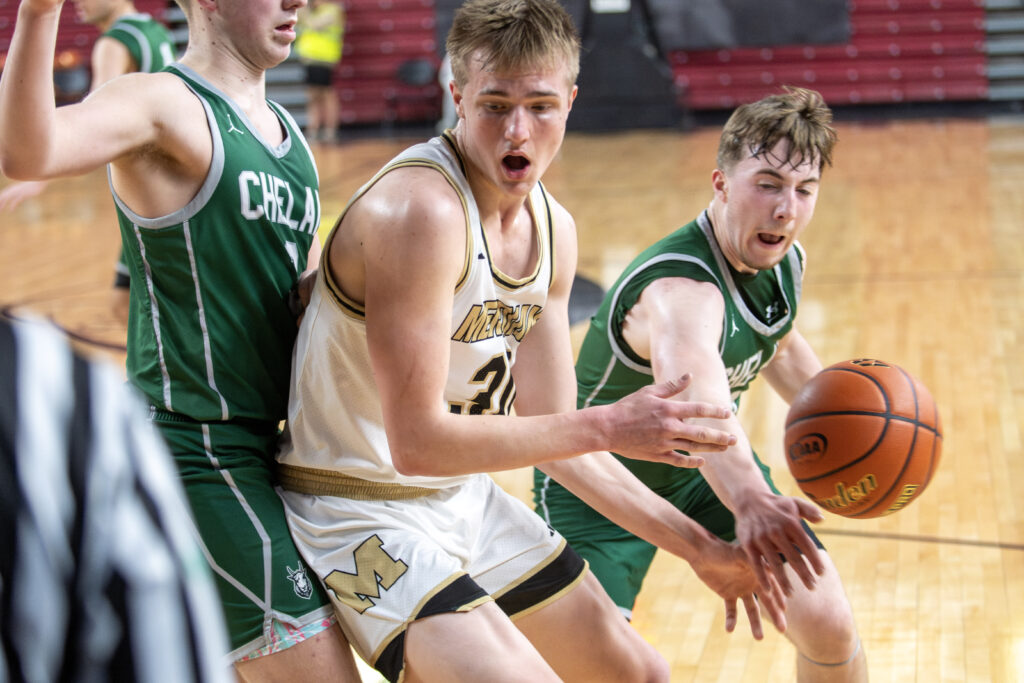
<point x="916" y="256"/>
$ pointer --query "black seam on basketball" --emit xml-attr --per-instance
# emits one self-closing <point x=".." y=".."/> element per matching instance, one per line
<point x="870" y="451"/>
<point x="906" y="456"/>
<point x="869" y="413"/>
<point x="888" y="418"/>
<point x="898" y="480"/>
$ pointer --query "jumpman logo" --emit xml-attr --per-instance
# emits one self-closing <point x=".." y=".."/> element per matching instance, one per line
<point x="734" y="329"/>
<point x="232" y="129"/>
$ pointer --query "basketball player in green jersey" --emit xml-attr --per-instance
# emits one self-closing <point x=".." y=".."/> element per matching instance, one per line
<point x="129" y="41"/>
<point x="217" y="199"/>
<point x="718" y="297"/>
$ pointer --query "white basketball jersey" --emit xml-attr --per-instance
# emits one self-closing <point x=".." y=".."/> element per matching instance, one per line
<point x="334" y="413"/>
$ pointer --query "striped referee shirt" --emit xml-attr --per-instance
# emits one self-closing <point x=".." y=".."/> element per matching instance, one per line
<point x="101" y="578"/>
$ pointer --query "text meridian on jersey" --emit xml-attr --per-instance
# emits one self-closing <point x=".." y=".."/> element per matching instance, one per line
<point x="266" y="195"/>
<point x="496" y="319"/>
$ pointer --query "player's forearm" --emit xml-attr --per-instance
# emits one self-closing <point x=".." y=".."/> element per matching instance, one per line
<point x="27" y="97"/>
<point x="450" y="445"/>
<point x="606" y="485"/>
<point x="733" y="474"/>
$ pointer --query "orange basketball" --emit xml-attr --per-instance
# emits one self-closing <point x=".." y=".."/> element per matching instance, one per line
<point x="863" y="438"/>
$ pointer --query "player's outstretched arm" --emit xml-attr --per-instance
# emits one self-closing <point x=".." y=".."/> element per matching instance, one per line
<point x="409" y="234"/>
<point x="768" y="526"/>
<point x="607" y="486"/>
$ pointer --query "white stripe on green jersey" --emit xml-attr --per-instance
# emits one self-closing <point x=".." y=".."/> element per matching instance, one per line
<point x="210" y="333"/>
<point x="146" y="39"/>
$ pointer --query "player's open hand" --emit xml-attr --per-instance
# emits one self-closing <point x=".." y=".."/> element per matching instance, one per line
<point x="650" y="425"/>
<point x="724" y="568"/>
<point x="769" y="528"/>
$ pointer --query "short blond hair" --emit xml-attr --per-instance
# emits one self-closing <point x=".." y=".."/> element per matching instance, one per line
<point x="798" y="115"/>
<point x="512" y="34"/>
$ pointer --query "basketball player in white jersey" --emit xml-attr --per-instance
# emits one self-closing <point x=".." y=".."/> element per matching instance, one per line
<point x="440" y="305"/>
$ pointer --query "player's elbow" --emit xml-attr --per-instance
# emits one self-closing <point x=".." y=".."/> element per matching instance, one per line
<point x="402" y="459"/>
<point x="17" y="167"/>
<point x="409" y="461"/>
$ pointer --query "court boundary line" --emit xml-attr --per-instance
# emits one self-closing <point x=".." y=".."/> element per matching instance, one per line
<point x="998" y="545"/>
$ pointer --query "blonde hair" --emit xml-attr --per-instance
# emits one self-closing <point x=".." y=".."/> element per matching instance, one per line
<point x="798" y="115"/>
<point x="512" y="34"/>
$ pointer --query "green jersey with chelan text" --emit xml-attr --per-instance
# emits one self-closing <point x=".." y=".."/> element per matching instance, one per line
<point x="210" y="332"/>
<point x="147" y="40"/>
<point x="759" y="311"/>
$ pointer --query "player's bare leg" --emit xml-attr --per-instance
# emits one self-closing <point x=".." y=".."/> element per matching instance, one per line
<point x="820" y="624"/>
<point x="479" y="645"/>
<point x="324" y="657"/>
<point x="585" y="638"/>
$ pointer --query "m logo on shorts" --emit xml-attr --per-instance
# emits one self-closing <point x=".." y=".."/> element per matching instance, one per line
<point x="374" y="567"/>
<point x="300" y="580"/>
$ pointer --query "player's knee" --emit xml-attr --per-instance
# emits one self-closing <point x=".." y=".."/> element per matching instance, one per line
<point x="656" y="670"/>
<point x="646" y="665"/>
<point x="829" y="634"/>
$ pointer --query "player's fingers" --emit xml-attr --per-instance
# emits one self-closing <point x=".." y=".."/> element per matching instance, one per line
<point x="804" y="549"/>
<point x="762" y="571"/>
<point x="730" y="615"/>
<point x="753" y="616"/>
<point x="774" y="564"/>
<point x="670" y="387"/>
<point x="809" y="511"/>
<point x="690" y="409"/>
<point x="702" y="437"/>
<point x="798" y="562"/>
<point x="684" y="460"/>
<point x="774" y="604"/>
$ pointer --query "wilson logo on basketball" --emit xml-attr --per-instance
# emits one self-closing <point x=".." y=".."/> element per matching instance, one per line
<point x="808" y="446"/>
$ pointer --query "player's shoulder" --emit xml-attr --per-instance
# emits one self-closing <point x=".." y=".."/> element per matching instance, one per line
<point x="409" y="196"/>
<point x="142" y="87"/>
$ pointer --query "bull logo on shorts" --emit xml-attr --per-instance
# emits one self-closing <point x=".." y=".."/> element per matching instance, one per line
<point x="300" y="580"/>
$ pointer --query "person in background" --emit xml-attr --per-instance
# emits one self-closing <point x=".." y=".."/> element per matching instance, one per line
<point x="321" y="33"/>
<point x="129" y="41"/>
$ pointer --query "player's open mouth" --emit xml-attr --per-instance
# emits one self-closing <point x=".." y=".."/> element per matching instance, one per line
<point x="768" y="238"/>
<point x="515" y="165"/>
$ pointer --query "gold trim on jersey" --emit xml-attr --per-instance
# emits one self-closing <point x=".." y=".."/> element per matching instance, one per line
<point x="351" y="306"/>
<point x="419" y="608"/>
<point x="533" y="572"/>
<point x="317" y="482"/>
<point x="506" y="281"/>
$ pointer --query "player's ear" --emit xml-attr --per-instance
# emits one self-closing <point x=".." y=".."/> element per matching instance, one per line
<point x="720" y="184"/>
<point x="456" y="98"/>
<point x="572" y="95"/>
